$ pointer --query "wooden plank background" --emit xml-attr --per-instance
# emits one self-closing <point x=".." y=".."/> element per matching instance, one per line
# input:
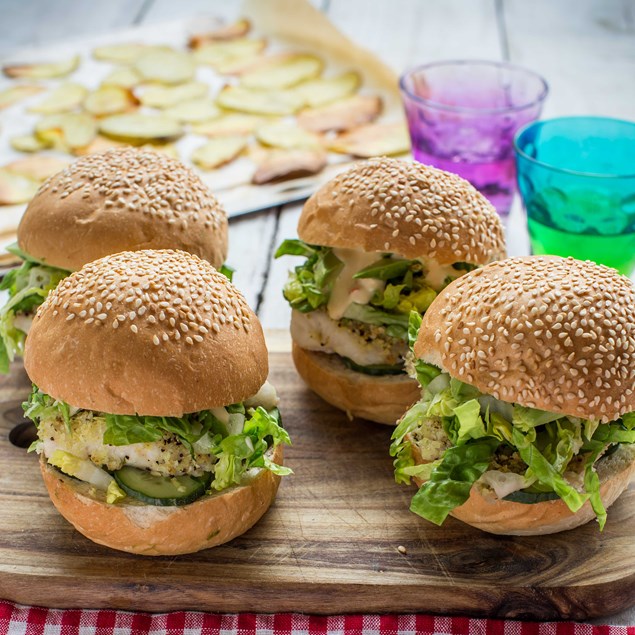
<point x="584" y="48"/>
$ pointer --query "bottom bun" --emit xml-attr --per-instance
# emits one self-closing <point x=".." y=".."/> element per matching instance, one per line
<point x="382" y="398"/>
<point x="496" y="516"/>
<point x="160" y="531"/>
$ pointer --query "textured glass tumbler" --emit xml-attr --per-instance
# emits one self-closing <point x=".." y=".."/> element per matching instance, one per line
<point x="463" y="116"/>
<point x="576" y="176"/>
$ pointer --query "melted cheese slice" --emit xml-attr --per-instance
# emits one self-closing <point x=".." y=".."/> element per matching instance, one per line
<point x="347" y="289"/>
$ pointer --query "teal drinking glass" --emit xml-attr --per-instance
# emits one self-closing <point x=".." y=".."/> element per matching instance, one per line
<point x="576" y="176"/>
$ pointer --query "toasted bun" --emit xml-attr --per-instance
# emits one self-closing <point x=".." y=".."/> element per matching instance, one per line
<point x="498" y="516"/>
<point x="382" y="399"/>
<point x="406" y="208"/>
<point x="544" y="332"/>
<point x="122" y="200"/>
<point x="147" y="332"/>
<point x="161" y="531"/>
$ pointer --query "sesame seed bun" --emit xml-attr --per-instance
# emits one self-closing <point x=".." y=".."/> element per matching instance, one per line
<point x="489" y="513"/>
<point x="122" y="200"/>
<point x="161" y="531"/>
<point x="540" y="331"/>
<point x="146" y="332"/>
<point x="382" y="399"/>
<point x="406" y="208"/>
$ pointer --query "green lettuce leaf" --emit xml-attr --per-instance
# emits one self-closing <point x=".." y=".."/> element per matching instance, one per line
<point x="236" y="453"/>
<point x="545" y="472"/>
<point x="227" y="271"/>
<point x="414" y="324"/>
<point x="309" y="285"/>
<point x="387" y="269"/>
<point x="28" y="286"/>
<point x="452" y="479"/>
<point x="401" y="450"/>
<point x="295" y="247"/>
<point x="527" y="418"/>
<point x="241" y="452"/>
<point x="471" y="424"/>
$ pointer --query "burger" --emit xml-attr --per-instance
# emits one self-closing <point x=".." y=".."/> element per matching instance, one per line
<point x="125" y="199"/>
<point x="380" y="240"/>
<point x="158" y="432"/>
<point x="526" y="424"/>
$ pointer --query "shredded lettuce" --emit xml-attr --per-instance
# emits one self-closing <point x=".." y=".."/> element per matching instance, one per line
<point x="28" y="285"/>
<point x="236" y="453"/>
<point x="387" y="269"/>
<point x="227" y="271"/>
<point x="452" y="479"/>
<point x="309" y="285"/>
<point x="547" y="443"/>
<point x="425" y="373"/>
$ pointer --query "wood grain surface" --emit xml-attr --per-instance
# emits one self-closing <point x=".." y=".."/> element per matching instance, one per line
<point x="329" y="544"/>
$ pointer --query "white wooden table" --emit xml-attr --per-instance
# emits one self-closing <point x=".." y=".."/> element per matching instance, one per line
<point x="584" y="48"/>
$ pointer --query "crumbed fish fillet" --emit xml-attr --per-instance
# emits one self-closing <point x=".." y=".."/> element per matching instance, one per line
<point x="366" y="346"/>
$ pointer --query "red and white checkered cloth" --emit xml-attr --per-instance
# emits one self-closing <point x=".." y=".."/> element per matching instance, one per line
<point x="25" y="620"/>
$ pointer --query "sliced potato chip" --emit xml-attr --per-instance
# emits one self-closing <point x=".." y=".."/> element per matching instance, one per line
<point x="124" y="77"/>
<point x="259" y="102"/>
<point x="341" y="115"/>
<point x="99" y="144"/>
<point x="318" y="92"/>
<point x="223" y="33"/>
<point x="62" y="99"/>
<point x="218" y="152"/>
<point x="222" y="55"/>
<point x="29" y="143"/>
<point x="230" y="124"/>
<point x="109" y="100"/>
<point x="120" y="53"/>
<point x="43" y="71"/>
<point x="166" y="96"/>
<point x="37" y="167"/>
<point x="78" y="130"/>
<point x="193" y="111"/>
<point x="375" y="139"/>
<point x="283" y="71"/>
<point x="15" y="188"/>
<point x="286" y="135"/>
<point x="165" y="66"/>
<point x="49" y="130"/>
<point x="280" y="165"/>
<point x="15" y="94"/>
<point x="138" y="129"/>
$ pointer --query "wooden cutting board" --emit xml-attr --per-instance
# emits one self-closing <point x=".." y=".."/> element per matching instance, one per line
<point x="328" y="545"/>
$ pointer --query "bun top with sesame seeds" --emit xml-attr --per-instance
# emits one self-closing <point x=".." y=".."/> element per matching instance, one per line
<point x="540" y="331"/>
<point x="149" y="333"/>
<point x="406" y="208"/>
<point x="122" y="200"/>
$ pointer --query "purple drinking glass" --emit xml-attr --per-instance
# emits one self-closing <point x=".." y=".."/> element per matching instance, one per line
<point x="463" y="116"/>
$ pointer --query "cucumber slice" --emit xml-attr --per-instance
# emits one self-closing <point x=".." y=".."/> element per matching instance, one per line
<point x="375" y="369"/>
<point x="161" y="490"/>
<point x="529" y="498"/>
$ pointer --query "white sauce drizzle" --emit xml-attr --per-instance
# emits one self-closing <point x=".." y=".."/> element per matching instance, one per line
<point x="347" y="289"/>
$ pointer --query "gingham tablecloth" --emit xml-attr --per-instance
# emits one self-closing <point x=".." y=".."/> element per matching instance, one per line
<point x="25" y="620"/>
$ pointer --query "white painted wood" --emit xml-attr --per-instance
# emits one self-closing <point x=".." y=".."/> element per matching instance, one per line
<point x="250" y="244"/>
<point x="30" y="23"/>
<point x="274" y="310"/>
<point x="584" y="48"/>
<point x="405" y="33"/>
